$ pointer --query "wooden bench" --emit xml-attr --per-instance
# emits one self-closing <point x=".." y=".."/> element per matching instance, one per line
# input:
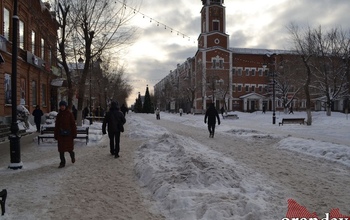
<point x="292" y="121"/>
<point x="47" y="132"/>
<point x="95" y="118"/>
<point x="230" y="116"/>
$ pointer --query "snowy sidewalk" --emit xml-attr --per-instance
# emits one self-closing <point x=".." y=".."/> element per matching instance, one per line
<point x="97" y="186"/>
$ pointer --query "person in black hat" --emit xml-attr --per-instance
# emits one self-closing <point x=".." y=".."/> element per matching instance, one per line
<point x="37" y="113"/>
<point x="65" y="132"/>
<point x="115" y="120"/>
<point x="211" y="114"/>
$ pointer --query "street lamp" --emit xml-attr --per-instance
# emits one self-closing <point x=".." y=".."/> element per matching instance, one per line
<point x="273" y="88"/>
<point x="92" y="67"/>
<point x="15" y="148"/>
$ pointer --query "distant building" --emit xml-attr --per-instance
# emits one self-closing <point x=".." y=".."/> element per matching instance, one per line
<point x="37" y="66"/>
<point x="237" y="78"/>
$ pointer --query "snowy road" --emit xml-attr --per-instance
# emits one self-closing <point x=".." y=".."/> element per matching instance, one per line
<point x="276" y="174"/>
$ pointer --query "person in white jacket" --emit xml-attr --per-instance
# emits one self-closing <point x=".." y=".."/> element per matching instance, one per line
<point x="157" y="114"/>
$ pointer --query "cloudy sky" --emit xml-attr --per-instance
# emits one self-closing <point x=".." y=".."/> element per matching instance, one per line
<point x="250" y="24"/>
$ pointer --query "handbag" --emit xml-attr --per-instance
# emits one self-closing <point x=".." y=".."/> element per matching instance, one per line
<point x="120" y="127"/>
<point x="64" y="132"/>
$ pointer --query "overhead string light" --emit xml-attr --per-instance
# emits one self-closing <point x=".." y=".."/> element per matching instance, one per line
<point x="179" y="33"/>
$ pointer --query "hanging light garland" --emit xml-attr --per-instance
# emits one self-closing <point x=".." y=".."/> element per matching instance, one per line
<point x="158" y="23"/>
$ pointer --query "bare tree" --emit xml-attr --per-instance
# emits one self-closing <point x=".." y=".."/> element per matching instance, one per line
<point x="92" y="26"/>
<point x="304" y="46"/>
<point x="286" y="83"/>
<point x="328" y="66"/>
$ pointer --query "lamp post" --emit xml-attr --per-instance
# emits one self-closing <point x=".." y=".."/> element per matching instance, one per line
<point x="273" y="88"/>
<point x="92" y="67"/>
<point x="273" y="99"/>
<point x="15" y="149"/>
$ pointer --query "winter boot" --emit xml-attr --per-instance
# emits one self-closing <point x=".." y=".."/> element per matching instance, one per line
<point x="3" y="195"/>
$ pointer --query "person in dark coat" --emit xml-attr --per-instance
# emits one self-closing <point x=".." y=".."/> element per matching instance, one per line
<point x="222" y="111"/>
<point x="115" y="120"/>
<point x="37" y="113"/>
<point x="211" y="114"/>
<point x="124" y="109"/>
<point x="65" y="132"/>
<point x="291" y="110"/>
<point x="75" y="112"/>
<point x="85" y="112"/>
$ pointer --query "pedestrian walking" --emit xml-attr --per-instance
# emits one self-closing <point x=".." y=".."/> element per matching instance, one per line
<point x="85" y="112"/>
<point x="180" y="111"/>
<point x="157" y="114"/>
<point x="124" y="109"/>
<point x="37" y="113"/>
<point x="264" y="109"/>
<point x="291" y="110"/>
<point x="3" y="196"/>
<point x="211" y="114"/>
<point x="65" y="132"/>
<point x="75" y="112"/>
<point x="114" y="120"/>
<point x="222" y="111"/>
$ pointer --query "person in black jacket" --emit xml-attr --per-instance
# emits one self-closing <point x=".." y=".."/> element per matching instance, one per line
<point x="115" y="120"/>
<point x="37" y="113"/>
<point x="211" y="114"/>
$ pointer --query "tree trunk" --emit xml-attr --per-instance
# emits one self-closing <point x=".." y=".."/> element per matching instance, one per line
<point x="307" y="92"/>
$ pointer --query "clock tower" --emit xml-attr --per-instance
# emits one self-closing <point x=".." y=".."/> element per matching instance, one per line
<point x="213" y="57"/>
<point x="213" y="25"/>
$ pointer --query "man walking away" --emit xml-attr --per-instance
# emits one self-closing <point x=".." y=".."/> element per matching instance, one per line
<point x="37" y="113"/>
<point x="157" y="114"/>
<point x="291" y="110"/>
<point x="211" y="114"/>
<point x="115" y="120"/>
<point x="222" y="111"/>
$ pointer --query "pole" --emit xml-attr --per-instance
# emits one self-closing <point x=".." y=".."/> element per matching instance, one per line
<point x="15" y="149"/>
<point x="273" y="100"/>
<point x="90" y="94"/>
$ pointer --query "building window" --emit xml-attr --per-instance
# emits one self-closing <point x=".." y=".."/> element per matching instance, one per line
<point x="267" y="72"/>
<point x="214" y="63"/>
<point x="247" y="72"/>
<point x="239" y="88"/>
<point x="34" y="94"/>
<point x="247" y="88"/>
<point x="8" y="91"/>
<point x="233" y="88"/>
<point x="253" y="72"/>
<point x="233" y="71"/>
<point x="50" y="56"/>
<point x="260" y="89"/>
<point x="261" y="73"/>
<point x="42" y="48"/>
<point x="217" y="63"/>
<point x="43" y="92"/>
<point x="253" y="88"/>
<point x="221" y="63"/>
<point x="21" y="34"/>
<point x="33" y="42"/>
<point x="23" y="91"/>
<point x="216" y="25"/>
<point x="239" y="72"/>
<point x="6" y="23"/>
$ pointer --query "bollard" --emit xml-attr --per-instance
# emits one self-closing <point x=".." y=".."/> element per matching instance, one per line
<point x="3" y="195"/>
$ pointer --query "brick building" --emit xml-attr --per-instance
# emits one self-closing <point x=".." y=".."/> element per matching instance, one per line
<point x="36" y="65"/>
<point x="237" y="78"/>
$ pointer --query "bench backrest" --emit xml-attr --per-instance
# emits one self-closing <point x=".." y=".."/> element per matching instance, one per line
<point x="51" y="130"/>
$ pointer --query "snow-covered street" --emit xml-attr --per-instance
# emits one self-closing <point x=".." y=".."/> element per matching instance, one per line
<point x="171" y="169"/>
<point x="242" y="173"/>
